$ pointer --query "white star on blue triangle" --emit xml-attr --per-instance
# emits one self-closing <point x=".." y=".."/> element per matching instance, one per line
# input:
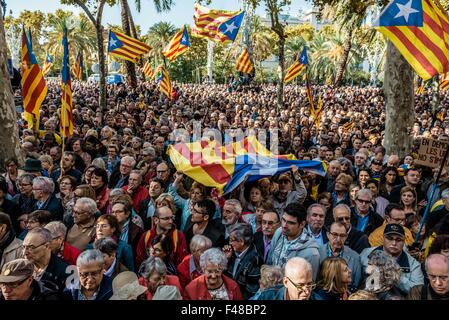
<point x="303" y="58"/>
<point x="231" y="27"/>
<point x="401" y="13"/>
<point x="185" y="38"/>
<point x="114" y="42"/>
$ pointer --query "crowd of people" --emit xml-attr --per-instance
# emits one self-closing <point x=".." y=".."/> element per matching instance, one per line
<point x="106" y="215"/>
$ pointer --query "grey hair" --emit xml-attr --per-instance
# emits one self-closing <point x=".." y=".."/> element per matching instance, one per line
<point x="316" y="205"/>
<point x="98" y="162"/>
<point x="389" y="270"/>
<point x="57" y="228"/>
<point x="236" y="204"/>
<point x="106" y="245"/>
<point x="151" y="265"/>
<point x="344" y="160"/>
<point x="297" y="264"/>
<point x="88" y="203"/>
<point x="334" y="162"/>
<point x="43" y="233"/>
<point x="436" y="258"/>
<point x="343" y="206"/>
<point x="139" y="173"/>
<point x="150" y="150"/>
<point x="200" y="242"/>
<point x="214" y="256"/>
<point x="270" y="275"/>
<point x="131" y="160"/>
<point x="90" y="256"/>
<point x="116" y="192"/>
<point x="364" y="191"/>
<point x="28" y="177"/>
<point x="242" y="231"/>
<point x="45" y="184"/>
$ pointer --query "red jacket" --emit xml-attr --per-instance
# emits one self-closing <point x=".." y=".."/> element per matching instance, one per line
<point x="185" y="277"/>
<point x="179" y="245"/>
<point x="138" y="197"/>
<point x="70" y="253"/>
<point x="197" y="289"/>
<point x="169" y="281"/>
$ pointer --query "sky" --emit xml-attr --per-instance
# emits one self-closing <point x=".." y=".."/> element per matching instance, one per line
<point x="181" y="13"/>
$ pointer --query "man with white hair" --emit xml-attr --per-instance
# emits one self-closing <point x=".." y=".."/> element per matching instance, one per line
<point x="363" y="217"/>
<point x="83" y="231"/>
<point x="43" y="192"/>
<point x="437" y="269"/>
<point x="296" y="285"/>
<point x="120" y="175"/>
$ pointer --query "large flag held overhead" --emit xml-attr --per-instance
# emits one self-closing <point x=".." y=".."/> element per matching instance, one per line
<point x="125" y="47"/>
<point x="226" y="166"/>
<point x="216" y="25"/>
<point x="147" y="71"/>
<point x="244" y="62"/>
<point x="47" y="65"/>
<point x="164" y="82"/>
<point x="34" y="87"/>
<point x="420" y="31"/>
<point x="297" y="67"/>
<point x="78" y="69"/>
<point x="178" y="45"/>
<point x="66" y="121"/>
<point x="444" y="83"/>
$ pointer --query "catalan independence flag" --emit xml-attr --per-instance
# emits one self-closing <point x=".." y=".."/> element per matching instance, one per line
<point x="297" y="67"/>
<point x="444" y="83"/>
<point x="34" y="87"/>
<point x="78" y="68"/>
<point x="66" y="121"/>
<point x="47" y="65"/>
<point x="178" y="45"/>
<point x="164" y="82"/>
<point x="420" y="31"/>
<point x="147" y="71"/>
<point x="216" y="25"/>
<point x="226" y="166"/>
<point x="318" y="112"/>
<point x="244" y="62"/>
<point x="125" y="47"/>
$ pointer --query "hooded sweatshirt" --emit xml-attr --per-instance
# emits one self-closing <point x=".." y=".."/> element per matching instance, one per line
<point x="303" y="246"/>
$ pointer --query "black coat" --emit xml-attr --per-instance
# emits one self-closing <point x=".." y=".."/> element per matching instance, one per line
<point x="55" y="207"/>
<point x="258" y="242"/>
<point x="395" y="194"/>
<point x="247" y="274"/>
<point x="42" y="292"/>
<point x="211" y="231"/>
<point x="12" y="209"/>
<point x="57" y="272"/>
<point x="357" y="240"/>
<point x="115" y="178"/>
<point x="374" y="221"/>
<point x="134" y="234"/>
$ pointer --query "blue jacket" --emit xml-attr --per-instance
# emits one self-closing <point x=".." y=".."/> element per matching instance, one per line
<point x="124" y="254"/>
<point x="104" y="292"/>
<point x="278" y="293"/>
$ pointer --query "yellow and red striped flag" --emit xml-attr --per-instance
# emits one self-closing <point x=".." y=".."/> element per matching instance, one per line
<point x="147" y="71"/>
<point x="317" y="113"/>
<point x="178" y="45"/>
<point x="297" y="67"/>
<point x="420" y="31"/>
<point x="244" y="62"/>
<point x="125" y="47"/>
<point x="78" y="68"/>
<point x="47" y="65"/>
<point x="66" y="121"/>
<point x="164" y="82"/>
<point x="216" y="25"/>
<point x="34" y="87"/>
<point x="444" y="83"/>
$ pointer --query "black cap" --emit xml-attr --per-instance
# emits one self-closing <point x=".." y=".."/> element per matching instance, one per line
<point x="394" y="228"/>
<point x="378" y="162"/>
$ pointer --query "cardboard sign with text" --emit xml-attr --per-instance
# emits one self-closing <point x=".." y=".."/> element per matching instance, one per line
<point x="431" y="153"/>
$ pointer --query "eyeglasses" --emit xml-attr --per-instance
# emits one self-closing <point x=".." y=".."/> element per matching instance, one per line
<point x="364" y="201"/>
<point x="338" y="235"/>
<point x="12" y="285"/>
<point x="92" y="274"/>
<point x="32" y="247"/>
<point x="301" y="287"/>
<point x="433" y="278"/>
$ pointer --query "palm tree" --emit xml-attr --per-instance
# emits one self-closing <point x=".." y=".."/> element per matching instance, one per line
<point x="263" y="41"/>
<point x="157" y="37"/>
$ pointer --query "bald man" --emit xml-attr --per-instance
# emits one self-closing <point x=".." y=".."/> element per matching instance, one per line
<point x="296" y="285"/>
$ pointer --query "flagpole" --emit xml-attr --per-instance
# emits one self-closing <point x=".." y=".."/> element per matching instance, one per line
<point x="63" y="129"/>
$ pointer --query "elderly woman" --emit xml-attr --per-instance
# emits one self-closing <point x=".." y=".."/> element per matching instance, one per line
<point x="189" y="269"/>
<point x="153" y="274"/>
<point x="58" y="246"/>
<point x="384" y="274"/>
<point x="99" y="182"/>
<point x="213" y="284"/>
<point x="43" y="189"/>
<point x="112" y="264"/>
<point x="270" y="276"/>
<point x="333" y="280"/>
<point x="197" y="192"/>
<point x="24" y="199"/>
<point x="93" y="284"/>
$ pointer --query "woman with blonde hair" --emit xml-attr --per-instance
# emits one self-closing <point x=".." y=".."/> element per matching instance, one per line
<point x="334" y="279"/>
<point x="409" y="200"/>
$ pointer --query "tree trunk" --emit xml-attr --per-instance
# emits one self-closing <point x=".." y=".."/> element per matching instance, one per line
<point x="344" y="59"/>
<point x="101" y="57"/>
<point x="133" y="32"/>
<point x="281" y="53"/>
<point x="400" y="104"/>
<point x="130" y="67"/>
<point x="9" y="139"/>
